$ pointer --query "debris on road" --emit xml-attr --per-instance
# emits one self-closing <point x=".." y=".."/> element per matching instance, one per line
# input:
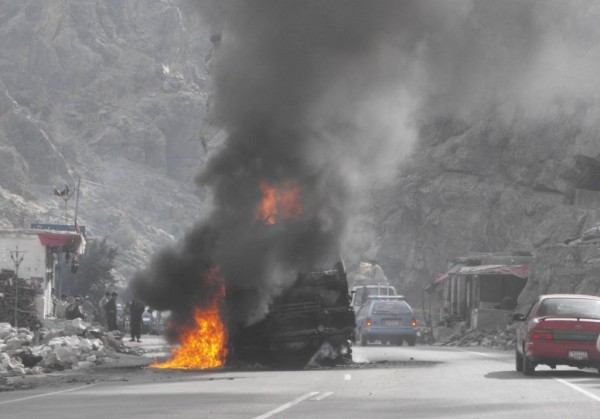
<point x="502" y="338"/>
<point x="58" y="345"/>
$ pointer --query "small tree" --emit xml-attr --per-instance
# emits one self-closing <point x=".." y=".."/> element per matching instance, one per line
<point x="94" y="275"/>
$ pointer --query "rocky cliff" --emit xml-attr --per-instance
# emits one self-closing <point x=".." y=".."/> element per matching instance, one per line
<point x="114" y="93"/>
<point x="498" y="185"/>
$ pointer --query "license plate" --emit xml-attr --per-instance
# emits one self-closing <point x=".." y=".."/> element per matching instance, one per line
<point x="578" y="355"/>
<point x="392" y="322"/>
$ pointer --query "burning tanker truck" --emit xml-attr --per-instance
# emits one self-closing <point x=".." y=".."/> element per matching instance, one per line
<point x="311" y="321"/>
<point x="271" y="291"/>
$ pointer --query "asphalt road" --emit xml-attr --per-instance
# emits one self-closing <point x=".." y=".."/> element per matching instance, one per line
<point x="385" y="382"/>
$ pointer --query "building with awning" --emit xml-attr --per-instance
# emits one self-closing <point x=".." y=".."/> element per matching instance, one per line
<point x="34" y="256"/>
<point x="479" y="289"/>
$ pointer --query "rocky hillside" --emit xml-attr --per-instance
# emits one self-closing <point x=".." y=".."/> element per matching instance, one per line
<point x="114" y="93"/>
<point x="498" y="185"/>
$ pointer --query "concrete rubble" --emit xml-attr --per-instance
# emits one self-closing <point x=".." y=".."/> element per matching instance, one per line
<point x="58" y="345"/>
<point x="499" y="337"/>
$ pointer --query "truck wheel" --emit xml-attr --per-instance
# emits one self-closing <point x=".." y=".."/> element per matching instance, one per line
<point x="411" y="341"/>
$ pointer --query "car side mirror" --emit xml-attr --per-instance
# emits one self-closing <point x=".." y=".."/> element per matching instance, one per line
<point x="519" y="317"/>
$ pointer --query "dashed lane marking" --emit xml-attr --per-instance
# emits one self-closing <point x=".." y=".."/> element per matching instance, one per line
<point x="321" y="396"/>
<point x="45" y="394"/>
<point x="313" y="395"/>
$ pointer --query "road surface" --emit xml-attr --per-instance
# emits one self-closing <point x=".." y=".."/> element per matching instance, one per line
<point x="385" y="382"/>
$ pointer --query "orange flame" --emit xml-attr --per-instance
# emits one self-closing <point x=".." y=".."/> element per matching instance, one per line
<point x="279" y="203"/>
<point x="204" y="345"/>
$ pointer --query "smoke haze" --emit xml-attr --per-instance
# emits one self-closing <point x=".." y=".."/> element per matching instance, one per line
<point x="330" y="94"/>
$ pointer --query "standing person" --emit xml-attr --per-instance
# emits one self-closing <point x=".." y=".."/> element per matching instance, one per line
<point x="110" y="308"/>
<point x="136" y="309"/>
<point x="101" y="305"/>
<point x="61" y="307"/>
<point x="88" y="309"/>
<point x="55" y="302"/>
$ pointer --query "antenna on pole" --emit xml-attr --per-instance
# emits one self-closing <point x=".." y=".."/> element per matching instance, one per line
<point x="66" y="194"/>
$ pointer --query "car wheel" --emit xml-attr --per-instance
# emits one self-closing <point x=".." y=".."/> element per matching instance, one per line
<point x="528" y="366"/>
<point x="399" y="342"/>
<point x="411" y="341"/>
<point x="518" y="361"/>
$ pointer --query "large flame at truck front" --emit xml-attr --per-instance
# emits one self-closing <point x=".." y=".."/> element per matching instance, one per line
<point x="203" y="345"/>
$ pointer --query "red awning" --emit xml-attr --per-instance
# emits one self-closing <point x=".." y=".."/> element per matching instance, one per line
<point x="67" y="241"/>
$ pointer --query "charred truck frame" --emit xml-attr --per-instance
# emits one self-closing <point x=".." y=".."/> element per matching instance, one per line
<point x="314" y="313"/>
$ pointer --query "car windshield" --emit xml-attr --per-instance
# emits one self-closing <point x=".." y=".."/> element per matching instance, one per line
<point x="570" y="307"/>
<point x="391" y="307"/>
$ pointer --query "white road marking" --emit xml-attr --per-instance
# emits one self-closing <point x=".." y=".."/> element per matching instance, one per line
<point x="287" y="405"/>
<point x="322" y="396"/>
<point x="45" y="394"/>
<point x="579" y="389"/>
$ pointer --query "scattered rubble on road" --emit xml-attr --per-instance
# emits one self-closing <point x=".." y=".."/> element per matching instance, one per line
<point x="57" y="346"/>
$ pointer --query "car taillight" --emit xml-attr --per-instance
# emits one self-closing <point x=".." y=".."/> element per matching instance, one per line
<point x="541" y="334"/>
<point x="368" y="323"/>
<point x="414" y="323"/>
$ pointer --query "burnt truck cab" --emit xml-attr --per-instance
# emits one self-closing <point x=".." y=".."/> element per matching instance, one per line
<point x="313" y="313"/>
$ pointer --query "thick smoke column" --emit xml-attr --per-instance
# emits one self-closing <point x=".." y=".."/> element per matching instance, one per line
<point x="296" y="84"/>
<point x="327" y="94"/>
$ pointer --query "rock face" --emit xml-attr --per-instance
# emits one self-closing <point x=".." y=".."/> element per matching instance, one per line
<point x="112" y="92"/>
<point x="564" y="269"/>
<point x="115" y="92"/>
<point x="499" y="185"/>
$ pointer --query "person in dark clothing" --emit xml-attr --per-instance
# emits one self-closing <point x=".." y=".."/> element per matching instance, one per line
<point x="136" y="308"/>
<point x="110" y="308"/>
<point x="73" y="310"/>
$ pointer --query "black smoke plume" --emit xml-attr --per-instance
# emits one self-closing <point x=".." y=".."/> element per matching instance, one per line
<point x="280" y="70"/>
<point x="329" y="94"/>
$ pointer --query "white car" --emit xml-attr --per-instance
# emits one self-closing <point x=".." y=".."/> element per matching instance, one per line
<point x="360" y="293"/>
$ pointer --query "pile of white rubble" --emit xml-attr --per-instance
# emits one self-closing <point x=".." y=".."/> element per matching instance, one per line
<point x="59" y="345"/>
<point x="499" y="337"/>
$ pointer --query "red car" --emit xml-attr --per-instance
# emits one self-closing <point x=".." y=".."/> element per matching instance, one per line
<point x="560" y="329"/>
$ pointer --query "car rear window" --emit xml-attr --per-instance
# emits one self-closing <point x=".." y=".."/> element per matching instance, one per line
<point x="570" y="307"/>
<point x="391" y="307"/>
<point x="380" y="291"/>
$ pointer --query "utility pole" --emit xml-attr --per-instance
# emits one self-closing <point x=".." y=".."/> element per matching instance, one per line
<point x="17" y="257"/>
<point x="76" y="201"/>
